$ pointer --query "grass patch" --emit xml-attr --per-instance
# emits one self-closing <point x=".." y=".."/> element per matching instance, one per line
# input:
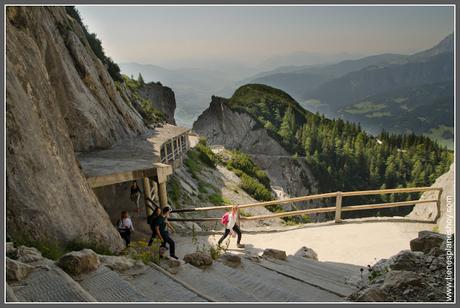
<point x="364" y="107"/>
<point x="243" y="213"/>
<point x="193" y="164"/>
<point x="54" y="251"/>
<point x="98" y="248"/>
<point x="205" y="154"/>
<point x="255" y="189"/>
<point x="296" y="220"/>
<point x="242" y="163"/>
<point x="378" y="114"/>
<point x="140" y="250"/>
<point x="217" y="199"/>
<point x="199" y="156"/>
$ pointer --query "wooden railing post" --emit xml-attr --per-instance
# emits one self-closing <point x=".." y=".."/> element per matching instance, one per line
<point x="148" y="210"/>
<point x="338" y="207"/>
<point x="438" y="206"/>
<point x="238" y="215"/>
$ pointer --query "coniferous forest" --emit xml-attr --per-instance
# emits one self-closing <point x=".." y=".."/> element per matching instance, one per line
<point x="340" y="154"/>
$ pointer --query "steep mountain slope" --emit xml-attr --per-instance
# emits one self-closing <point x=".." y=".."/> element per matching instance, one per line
<point x="233" y="129"/>
<point x="161" y="97"/>
<point x="60" y="99"/>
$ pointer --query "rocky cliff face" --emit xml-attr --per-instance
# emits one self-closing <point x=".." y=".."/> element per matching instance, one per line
<point x="428" y="211"/>
<point x="161" y="98"/>
<point x="60" y="99"/>
<point x="238" y="130"/>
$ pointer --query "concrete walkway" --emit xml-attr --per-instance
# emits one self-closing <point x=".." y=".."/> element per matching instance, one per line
<point x="354" y="241"/>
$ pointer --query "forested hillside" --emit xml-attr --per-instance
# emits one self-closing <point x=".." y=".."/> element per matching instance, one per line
<point x="341" y="155"/>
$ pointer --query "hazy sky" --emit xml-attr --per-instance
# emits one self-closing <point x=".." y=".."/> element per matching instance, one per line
<point x="161" y="35"/>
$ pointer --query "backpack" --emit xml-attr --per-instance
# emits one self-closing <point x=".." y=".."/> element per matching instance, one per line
<point x="150" y="219"/>
<point x="224" y="219"/>
<point x="153" y="207"/>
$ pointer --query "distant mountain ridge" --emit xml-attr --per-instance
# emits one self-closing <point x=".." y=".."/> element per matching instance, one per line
<point x="332" y="89"/>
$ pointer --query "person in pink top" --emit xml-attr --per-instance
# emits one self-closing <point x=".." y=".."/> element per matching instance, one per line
<point x="231" y="227"/>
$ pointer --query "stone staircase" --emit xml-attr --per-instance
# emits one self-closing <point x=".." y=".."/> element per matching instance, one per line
<point x="253" y="279"/>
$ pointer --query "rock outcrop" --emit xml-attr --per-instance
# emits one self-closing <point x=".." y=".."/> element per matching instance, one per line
<point x="307" y="253"/>
<point x="161" y="98"/>
<point x="60" y="99"/>
<point x="275" y="253"/>
<point x="410" y="276"/>
<point x="198" y="259"/>
<point x="16" y="270"/>
<point x="79" y="262"/>
<point x="428" y="211"/>
<point x="238" y="130"/>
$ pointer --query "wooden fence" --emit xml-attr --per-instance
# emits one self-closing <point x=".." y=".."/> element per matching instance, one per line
<point x="338" y="208"/>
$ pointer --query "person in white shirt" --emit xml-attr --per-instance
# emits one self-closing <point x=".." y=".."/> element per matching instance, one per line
<point x="232" y="226"/>
<point x="125" y="227"/>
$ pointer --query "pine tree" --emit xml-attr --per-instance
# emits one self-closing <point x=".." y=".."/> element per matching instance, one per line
<point x="140" y="80"/>
<point x="287" y="128"/>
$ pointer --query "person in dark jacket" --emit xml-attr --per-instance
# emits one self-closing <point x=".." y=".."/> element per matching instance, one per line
<point x="156" y="214"/>
<point x="161" y="229"/>
<point x="136" y="196"/>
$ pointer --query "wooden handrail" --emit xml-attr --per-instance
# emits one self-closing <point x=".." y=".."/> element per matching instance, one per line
<point x="310" y="197"/>
<point x="388" y="191"/>
<point x="337" y="209"/>
<point x="333" y="209"/>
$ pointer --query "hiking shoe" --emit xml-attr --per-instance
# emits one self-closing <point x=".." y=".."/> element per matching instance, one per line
<point x="174" y="257"/>
<point x="240" y="245"/>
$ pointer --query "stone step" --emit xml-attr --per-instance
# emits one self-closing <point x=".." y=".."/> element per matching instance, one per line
<point x="211" y="283"/>
<point x="10" y="296"/>
<point x="158" y="287"/>
<point x="312" y="273"/>
<point x="106" y="285"/>
<point x="270" y="286"/>
<point x="48" y="283"/>
<point x="334" y="269"/>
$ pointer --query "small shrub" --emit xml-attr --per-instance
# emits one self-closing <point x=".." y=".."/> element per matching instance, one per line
<point x="297" y="220"/>
<point x="218" y="199"/>
<point x="245" y="214"/>
<point x="140" y="250"/>
<point x="48" y="249"/>
<point x="255" y="189"/>
<point x="215" y="251"/>
<point x="193" y="163"/>
<point x="241" y="163"/>
<point x="202" y="187"/>
<point x="205" y="154"/>
<point x="373" y="273"/>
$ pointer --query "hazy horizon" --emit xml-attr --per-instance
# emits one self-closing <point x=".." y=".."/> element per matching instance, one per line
<point x="252" y="36"/>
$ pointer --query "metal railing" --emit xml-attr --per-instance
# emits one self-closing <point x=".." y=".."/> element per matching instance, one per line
<point x="338" y="208"/>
